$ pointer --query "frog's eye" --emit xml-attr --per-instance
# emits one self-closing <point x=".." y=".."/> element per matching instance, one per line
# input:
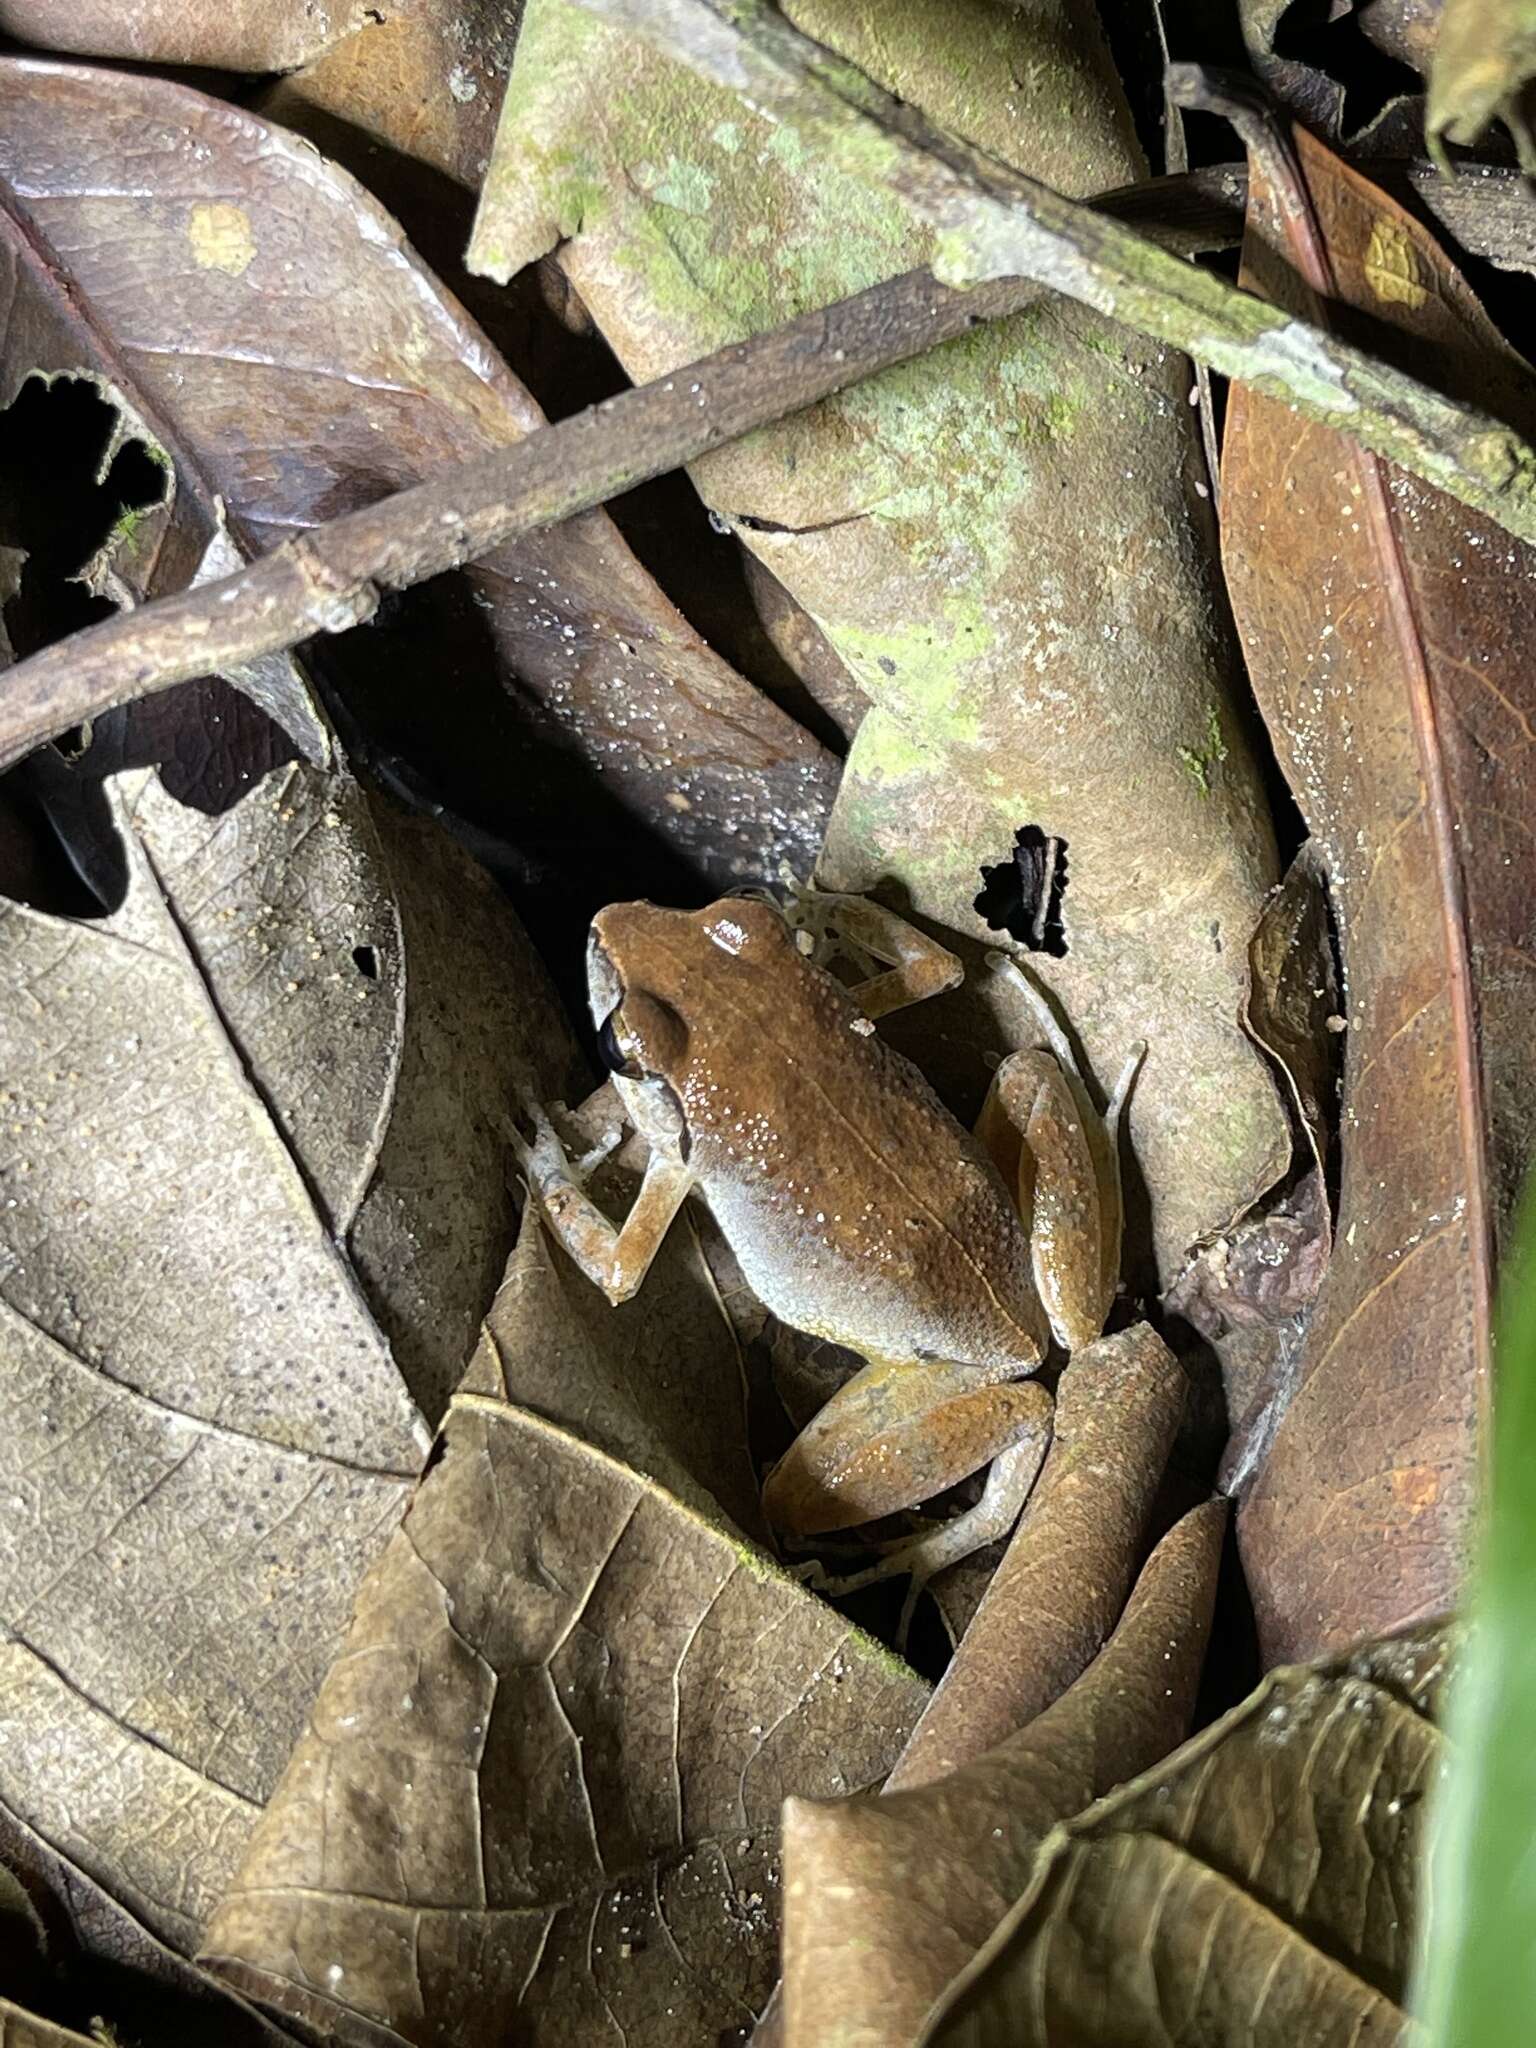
<point x="616" y="1055"/>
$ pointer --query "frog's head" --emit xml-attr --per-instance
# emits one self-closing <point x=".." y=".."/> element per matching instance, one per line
<point x="651" y="971"/>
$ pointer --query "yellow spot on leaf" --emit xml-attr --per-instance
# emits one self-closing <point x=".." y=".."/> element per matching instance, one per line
<point x="1392" y="266"/>
<point x="1415" y="1488"/>
<point x="221" y="237"/>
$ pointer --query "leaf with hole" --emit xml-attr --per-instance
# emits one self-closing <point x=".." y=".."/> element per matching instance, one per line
<point x="265" y="285"/>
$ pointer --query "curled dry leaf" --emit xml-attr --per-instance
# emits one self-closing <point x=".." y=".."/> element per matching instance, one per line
<point x="887" y="1899"/>
<point x="1388" y="633"/>
<point x="1330" y="86"/>
<point x="240" y="35"/>
<point x="248" y="1142"/>
<point x="1248" y="1288"/>
<point x="1063" y="1580"/>
<point x="266" y="286"/>
<point x="541" y="1785"/>
<point x="1001" y="540"/>
<point x="1260" y="1885"/>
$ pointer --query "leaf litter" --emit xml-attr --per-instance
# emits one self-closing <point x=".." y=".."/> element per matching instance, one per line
<point x="536" y="1784"/>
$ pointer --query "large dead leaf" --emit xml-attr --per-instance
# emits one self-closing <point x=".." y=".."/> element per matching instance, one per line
<point x="1001" y="540"/>
<point x="241" y="35"/>
<point x="248" y="1140"/>
<point x="1388" y="632"/>
<point x="1260" y="1886"/>
<point x="886" y="1899"/>
<point x="266" y="286"/>
<point x="540" y="1790"/>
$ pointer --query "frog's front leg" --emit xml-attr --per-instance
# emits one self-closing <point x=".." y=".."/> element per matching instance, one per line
<point x="617" y="1259"/>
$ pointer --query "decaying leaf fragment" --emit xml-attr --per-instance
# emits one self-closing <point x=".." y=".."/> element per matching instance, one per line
<point x="1483" y="70"/>
<point x="176" y="533"/>
<point x="886" y="1899"/>
<point x="1388" y="633"/>
<point x="540" y="1789"/>
<point x="1002" y="541"/>
<point x="1261" y="1885"/>
<point x="249" y="1169"/>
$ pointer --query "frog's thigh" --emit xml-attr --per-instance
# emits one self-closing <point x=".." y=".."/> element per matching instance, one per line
<point x="1033" y="1125"/>
<point x="900" y="1432"/>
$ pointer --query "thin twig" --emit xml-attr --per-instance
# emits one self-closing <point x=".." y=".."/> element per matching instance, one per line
<point x="991" y="221"/>
<point x="331" y="577"/>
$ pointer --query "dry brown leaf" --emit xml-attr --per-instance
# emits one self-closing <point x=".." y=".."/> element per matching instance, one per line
<point x="1261" y="1885"/>
<point x="1001" y="540"/>
<point x="237" y="35"/>
<point x="1388" y="633"/>
<point x="266" y="287"/>
<point x="178" y="536"/>
<point x="92" y="1958"/>
<point x="1062" y="1582"/>
<point x="424" y="77"/>
<point x="886" y="1899"/>
<point x="541" y="1785"/>
<point x="248" y="1139"/>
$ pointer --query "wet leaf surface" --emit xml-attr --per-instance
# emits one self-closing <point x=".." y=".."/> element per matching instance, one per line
<point x="1258" y="1886"/>
<point x="540" y="1788"/>
<point x="1388" y="632"/>
<point x="262" y="285"/>
<point x="886" y="1899"/>
<point x="1023" y="590"/>
<point x="249" y="1177"/>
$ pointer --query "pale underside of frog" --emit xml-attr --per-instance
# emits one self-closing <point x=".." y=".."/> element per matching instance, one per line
<point x="858" y="1208"/>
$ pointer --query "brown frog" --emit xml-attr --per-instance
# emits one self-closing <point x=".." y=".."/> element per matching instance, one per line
<point x="857" y="1206"/>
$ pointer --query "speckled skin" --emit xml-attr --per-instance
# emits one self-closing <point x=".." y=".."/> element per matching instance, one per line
<point x="859" y="1209"/>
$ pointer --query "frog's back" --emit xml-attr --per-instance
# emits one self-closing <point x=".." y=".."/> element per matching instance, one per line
<point x="859" y="1208"/>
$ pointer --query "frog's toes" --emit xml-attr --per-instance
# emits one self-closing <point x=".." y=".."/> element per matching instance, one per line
<point x="603" y="1147"/>
<point x="541" y="1158"/>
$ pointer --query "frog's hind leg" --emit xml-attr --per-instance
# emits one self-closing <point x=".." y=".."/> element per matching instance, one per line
<point x="901" y="1431"/>
<point x="866" y="933"/>
<point x="1008" y="1486"/>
